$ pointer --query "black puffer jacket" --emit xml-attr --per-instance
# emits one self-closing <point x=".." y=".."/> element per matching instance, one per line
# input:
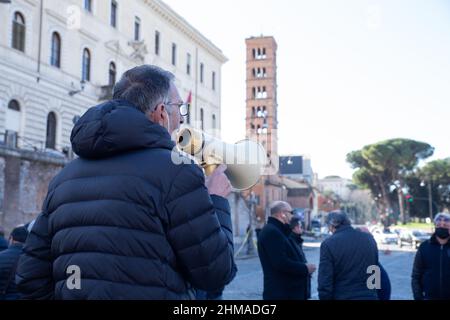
<point x="138" y="225"/>
<point x="344" y="260"/>
<point x="431" y="271"/>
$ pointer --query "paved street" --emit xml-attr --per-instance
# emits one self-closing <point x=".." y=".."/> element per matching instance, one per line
<point x="248" y="284"/>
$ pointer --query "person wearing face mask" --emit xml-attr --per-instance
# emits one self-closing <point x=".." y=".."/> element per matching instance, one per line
<point x="285" y="270"/>
<point x="125" y="220"/>
<point x="431" y="270"/>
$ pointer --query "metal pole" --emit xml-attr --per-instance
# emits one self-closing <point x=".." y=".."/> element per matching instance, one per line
<point x="430" y="200"/>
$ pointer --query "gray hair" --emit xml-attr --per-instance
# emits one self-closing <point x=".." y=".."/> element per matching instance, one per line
<point x="441" y="215"/>
<point x="145" y="87"/>
<point x="277" y="207"/>
<point x="337" y="219"/>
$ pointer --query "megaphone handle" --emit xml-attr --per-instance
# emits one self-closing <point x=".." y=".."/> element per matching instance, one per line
<point x="210" y="168"/>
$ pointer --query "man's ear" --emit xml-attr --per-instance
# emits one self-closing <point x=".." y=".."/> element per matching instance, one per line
<point x="158" y="115"/>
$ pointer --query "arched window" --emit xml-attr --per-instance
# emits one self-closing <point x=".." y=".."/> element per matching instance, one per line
<point x="214" y="122"/>
<point x="55" y="57"/>
<point x="112" y="74"/>
<point x="18" y="36"/>
<point x="202" y="119"/>
<point x="50" y="142"/>
<point x="86" y="66"/>
<point x="13" y="116"/>
<point x="14" y="105"/>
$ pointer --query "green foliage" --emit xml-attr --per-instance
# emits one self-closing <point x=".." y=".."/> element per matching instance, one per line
<point x="382" y="164"/>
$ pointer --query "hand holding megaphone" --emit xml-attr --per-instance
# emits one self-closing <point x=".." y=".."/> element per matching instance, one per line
<point x="218" y="183"/>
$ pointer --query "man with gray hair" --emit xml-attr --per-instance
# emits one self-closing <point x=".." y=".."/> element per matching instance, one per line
<point x="124" y="221"/>
<point x="431" y="270"/>
<point x="286" y="272"/>
<point x="345" y="258"/>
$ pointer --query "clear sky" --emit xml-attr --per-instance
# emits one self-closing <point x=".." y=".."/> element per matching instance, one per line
<point x="350" y="72"/>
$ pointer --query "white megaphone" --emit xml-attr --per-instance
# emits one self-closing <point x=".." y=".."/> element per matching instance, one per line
<point x="245" y="159"/>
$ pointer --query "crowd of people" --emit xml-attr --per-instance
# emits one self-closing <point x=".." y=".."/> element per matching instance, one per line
<point x="349" y="268"/>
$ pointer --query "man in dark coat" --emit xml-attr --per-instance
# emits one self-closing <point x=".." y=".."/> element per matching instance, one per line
<point x="284" y="269"/>
<point x="431" y="271"/>
<point x="297" y="240"/>
<point x="8" y="264"/>
<point x="345" y="258"/>
<point x="131" y="218"/>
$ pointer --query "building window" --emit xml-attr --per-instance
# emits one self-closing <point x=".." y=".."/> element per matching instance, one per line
<point x="260" y="93"/>
<point x="188" y="64"/>
<point x="114" y="14"/>
<point x="112" y="74"/>
<point x="214" y="124"/>
<point x="137" y="29"/>
<point x="50" y="142"/>
<point x="18" y="36"/>
<point x="253" y="112"/>
<point x="213" y="81"/>
<point x="14" y="105"/>
<point x="13" y="116"/>
<point x="258" y="112"/>
<point x="88" y="5"/>
<point x="259" y="53"/>
<point x="174" y="54"/>
<point x="157" y="40"/>
<point x="259" y="73"/>
<point x="202" y="119"/>
<point x="55" y="58"/>
<point x="86" y="66"/>
<point x="202" y="70"/>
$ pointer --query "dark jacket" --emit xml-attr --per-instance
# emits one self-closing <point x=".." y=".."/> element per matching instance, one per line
<point x="431" y="271"/>
<point x="384" y="293"/>
<point x="344" y="259"/>
<point x="8" y="265"/>
<point x="284" y="269"/>
<point x="137" y="222"/>
<point x="297" y="241"/>
<point x="3" y="244"/>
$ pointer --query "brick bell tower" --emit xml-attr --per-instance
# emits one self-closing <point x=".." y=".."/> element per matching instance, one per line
<point x="261" y="116"/>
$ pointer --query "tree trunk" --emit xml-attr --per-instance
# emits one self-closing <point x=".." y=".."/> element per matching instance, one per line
<point x="386" y="201"/>
<point x="401" y="205"/>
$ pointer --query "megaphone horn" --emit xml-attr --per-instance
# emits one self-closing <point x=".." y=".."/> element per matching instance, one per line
<point x="245" y="159"/>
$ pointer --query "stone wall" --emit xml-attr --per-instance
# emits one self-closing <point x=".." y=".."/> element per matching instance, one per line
<point x="24" y="179"/>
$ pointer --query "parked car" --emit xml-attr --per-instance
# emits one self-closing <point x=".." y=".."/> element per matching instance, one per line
<point x="412" y="237"/>
<point x="316" y="228"/>
<point x="384" y="236"/>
